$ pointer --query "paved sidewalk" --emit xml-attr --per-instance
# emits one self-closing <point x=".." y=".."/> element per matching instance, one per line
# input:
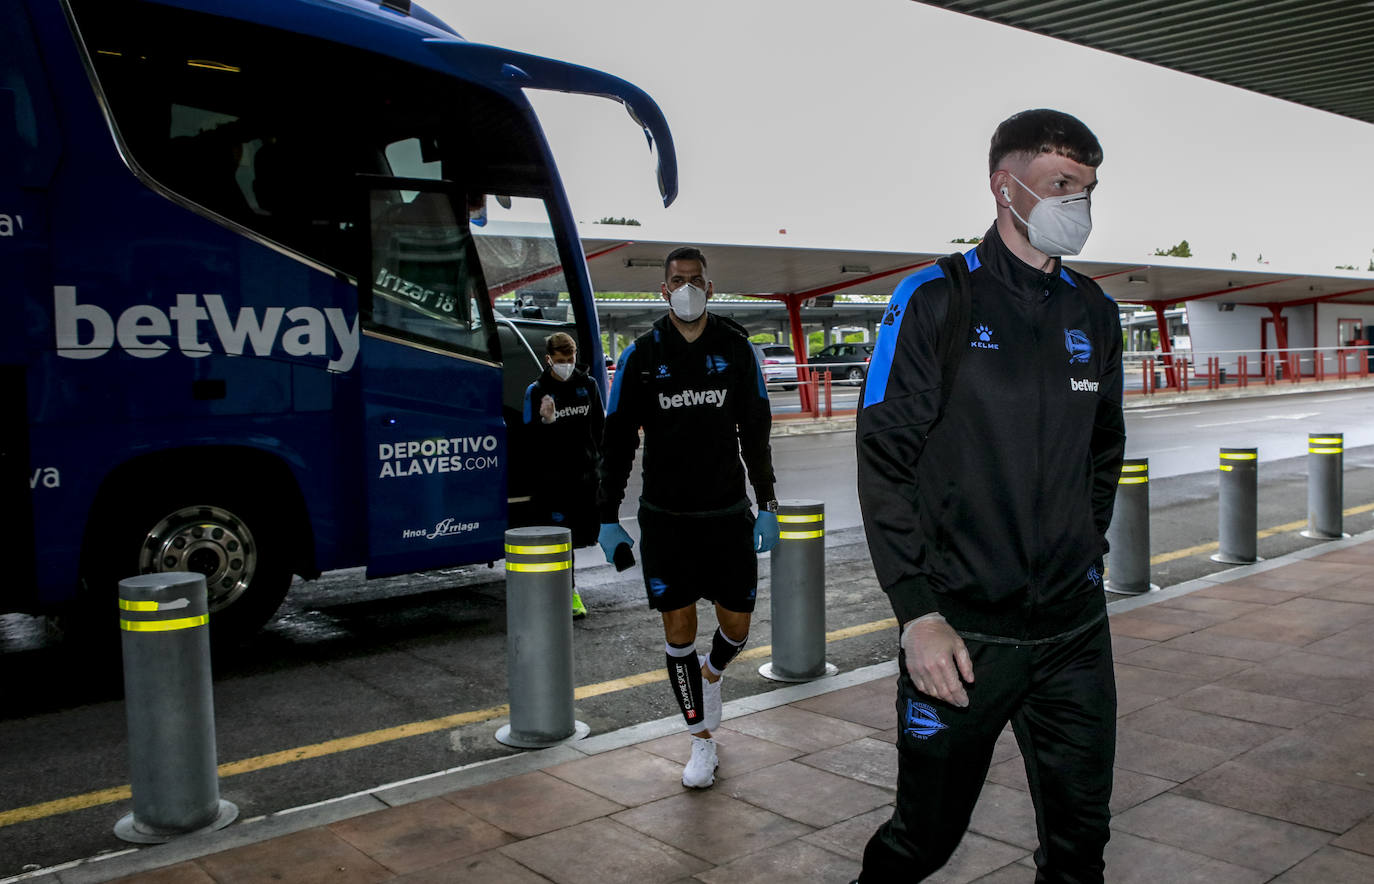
<point x="1245" y="754"/>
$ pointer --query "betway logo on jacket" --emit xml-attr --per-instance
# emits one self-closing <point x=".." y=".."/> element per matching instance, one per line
<point x="88" y="331"/>
<point x="1082" y="386"/>
<point x="688" y="398"/>
<point x="571" y="411"/>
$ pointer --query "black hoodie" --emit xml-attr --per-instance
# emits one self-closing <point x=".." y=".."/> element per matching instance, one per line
<point x="564" y="454"/>
<point x="995" y="513"/>
<point x="702" y="405"/>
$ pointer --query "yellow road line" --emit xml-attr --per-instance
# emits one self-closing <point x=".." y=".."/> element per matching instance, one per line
<point x="1203" y="548"/>
<point x="414" y="729"/>
<point x="386" y="735"/>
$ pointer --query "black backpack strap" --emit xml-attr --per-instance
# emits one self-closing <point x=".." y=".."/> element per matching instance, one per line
<point x="954" y="334"/>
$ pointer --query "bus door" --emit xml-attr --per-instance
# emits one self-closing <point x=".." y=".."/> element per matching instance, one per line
<point x="435" y="443"/>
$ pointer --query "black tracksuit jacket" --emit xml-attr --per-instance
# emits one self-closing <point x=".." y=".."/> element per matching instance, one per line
<point x="564" y="454"/>
<point x="702" y="405"/>
<point x="995" y="513"/>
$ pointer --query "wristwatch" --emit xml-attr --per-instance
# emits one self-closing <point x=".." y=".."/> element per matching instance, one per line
<point x="771" y="506"/>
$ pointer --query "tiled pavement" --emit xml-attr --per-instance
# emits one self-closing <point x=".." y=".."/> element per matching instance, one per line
<point x="1245" y="754"/>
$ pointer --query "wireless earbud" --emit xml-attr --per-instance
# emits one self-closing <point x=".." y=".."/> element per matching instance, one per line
<point x="1006" y="196"/>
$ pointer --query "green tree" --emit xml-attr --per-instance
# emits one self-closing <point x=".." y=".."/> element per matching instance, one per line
<point x="628" y="222"/>
<point x="1179" y="251"/>
<point x="969" y="240"/>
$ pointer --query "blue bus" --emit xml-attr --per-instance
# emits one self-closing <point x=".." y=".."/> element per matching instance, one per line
<point x="253" y="333"/>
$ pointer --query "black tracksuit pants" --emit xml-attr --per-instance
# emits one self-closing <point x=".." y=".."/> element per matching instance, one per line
<point x="1060" y="698"/>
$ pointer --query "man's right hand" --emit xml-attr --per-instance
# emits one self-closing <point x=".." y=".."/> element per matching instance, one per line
<point x="546" y="410"/>
<point x="611" y="536"/>
<point x="937" y="660"/>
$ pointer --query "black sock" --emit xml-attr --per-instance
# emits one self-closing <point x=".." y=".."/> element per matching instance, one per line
<point x="723" y="650"/>
<point x="684" y="676"/>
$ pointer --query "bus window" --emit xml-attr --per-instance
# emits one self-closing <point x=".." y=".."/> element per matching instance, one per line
<point x="272" y="131"/>
<point x="426" y="284"/>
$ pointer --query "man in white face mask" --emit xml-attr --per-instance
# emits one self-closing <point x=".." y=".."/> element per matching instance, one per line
<point x="562" y="429"/>
<point x="693" y="384"/>
<point x="987" y="473"/>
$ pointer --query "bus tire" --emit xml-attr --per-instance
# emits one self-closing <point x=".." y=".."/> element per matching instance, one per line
<point x="232" y="537"/>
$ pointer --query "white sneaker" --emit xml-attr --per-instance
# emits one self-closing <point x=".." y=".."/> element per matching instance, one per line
<point x="700" y="772"/>
<point x="710" y="698"/>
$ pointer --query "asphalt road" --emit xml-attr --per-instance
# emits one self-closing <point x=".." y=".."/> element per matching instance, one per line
<point x="348" y="661"/>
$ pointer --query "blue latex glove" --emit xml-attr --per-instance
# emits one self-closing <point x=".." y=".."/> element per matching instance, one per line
<point x="611" y="536"/>
<point x="765" y="531"/>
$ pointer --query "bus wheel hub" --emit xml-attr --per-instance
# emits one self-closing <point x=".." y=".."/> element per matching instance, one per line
<point x="205" y="540"/>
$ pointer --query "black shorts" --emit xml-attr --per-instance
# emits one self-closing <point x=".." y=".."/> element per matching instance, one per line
<point x="686" y="558"/>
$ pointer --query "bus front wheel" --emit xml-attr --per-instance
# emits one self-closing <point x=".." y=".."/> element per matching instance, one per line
<point x="231" y="539"/>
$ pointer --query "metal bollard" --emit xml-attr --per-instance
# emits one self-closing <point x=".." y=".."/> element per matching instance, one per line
<point x="1325" y="486"/>
<point x="1129" y="534"/>
<point x="798" y="609"/>
<point x="539" y="650"/>
<point x="1237" y="507"/>
<point x="169" y="702"/>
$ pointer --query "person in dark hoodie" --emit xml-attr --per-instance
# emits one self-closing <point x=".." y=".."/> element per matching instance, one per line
<point x="564" y="421"/>
<point x="986" y="514"/>
<point x="693" y="383"/>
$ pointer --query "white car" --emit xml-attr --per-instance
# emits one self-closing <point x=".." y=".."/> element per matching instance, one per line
<point x="779" y="365"/>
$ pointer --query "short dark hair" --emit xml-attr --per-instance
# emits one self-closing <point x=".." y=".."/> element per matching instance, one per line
<point x="560" y="344"/>
<point x="1033" y="132"/>
<point x="685" y="253"/>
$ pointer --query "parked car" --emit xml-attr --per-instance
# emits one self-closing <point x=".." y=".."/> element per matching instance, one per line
<point x="846" y="361"/>
<point x="779" y="365"/>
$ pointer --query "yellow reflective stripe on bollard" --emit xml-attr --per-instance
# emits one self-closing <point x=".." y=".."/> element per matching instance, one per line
<point x="801" y="520"/>
<point x="1324" y="440"/>
<point x="130" y="605"/>
<point x="538" y="567"/>
<point x="539" y="550"/>
<point x="163" y="625"/>
<point x="1226" y="468"/>
<point x="1325" y="450"/>
<point x="1240" y="456"/>
<point x="801" y="535"/>
<point x="1139" y="480"/>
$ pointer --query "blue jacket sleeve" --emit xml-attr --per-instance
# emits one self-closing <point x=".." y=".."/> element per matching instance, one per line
<point x="531" y="412"/>
<point x="899" y="405"/>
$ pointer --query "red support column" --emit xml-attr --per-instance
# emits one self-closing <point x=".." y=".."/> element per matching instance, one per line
<point x="808" y="401"/>
<point x="1166" y="348"/>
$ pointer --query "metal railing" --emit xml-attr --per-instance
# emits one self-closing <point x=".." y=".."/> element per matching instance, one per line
<point x="1150" y="372"/>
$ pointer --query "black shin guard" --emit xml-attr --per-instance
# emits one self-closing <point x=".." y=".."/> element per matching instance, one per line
<point x="723" y="650"/>
<point x="684" y="674"/>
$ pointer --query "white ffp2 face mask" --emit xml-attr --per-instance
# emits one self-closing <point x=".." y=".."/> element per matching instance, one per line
<point x="562" y="370"/>
<point x="1058" y="225"/>
<point x="688" y="302"/>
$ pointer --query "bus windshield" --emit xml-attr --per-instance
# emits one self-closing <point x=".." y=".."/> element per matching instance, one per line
<point x="205" y="117"/>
